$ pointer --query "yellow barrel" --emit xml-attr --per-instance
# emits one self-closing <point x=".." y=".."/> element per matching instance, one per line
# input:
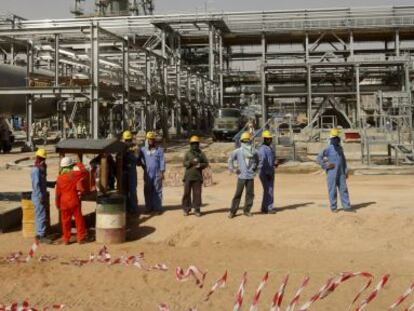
<point x="110" y="219"/>
<point x="28" y="222"/>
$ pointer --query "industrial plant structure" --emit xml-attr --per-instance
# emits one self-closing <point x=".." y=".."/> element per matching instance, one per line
<point x="125" y="68"/>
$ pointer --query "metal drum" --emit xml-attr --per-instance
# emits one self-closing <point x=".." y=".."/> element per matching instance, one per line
<point x="110" y="219"/>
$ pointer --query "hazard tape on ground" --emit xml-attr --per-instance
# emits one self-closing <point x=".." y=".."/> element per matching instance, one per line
<point x="278" y="297"/>
<point x="105" y="257"/>
<point x="240" y="293"/>
<point x="192" y="271"/>
<point x="256" y="297"/>
<point x="317" y="296"/>
<point x="402" y="298"/>
<point x="374" y="293"/>
<point x="220" y="283"/>
<point x="25" y="306"/>
<point x="296" y="298"/>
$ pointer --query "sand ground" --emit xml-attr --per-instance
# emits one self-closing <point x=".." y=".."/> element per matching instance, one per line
<point x="303" y="239"/>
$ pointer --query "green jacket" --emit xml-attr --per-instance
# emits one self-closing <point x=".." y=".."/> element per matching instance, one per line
<point x="192" y="172"/>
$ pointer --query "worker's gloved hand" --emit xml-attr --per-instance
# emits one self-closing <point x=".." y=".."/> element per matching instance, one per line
<point x="331" y="166"/>
<point x="194" y="162"/>
<point x="238" y="171"/>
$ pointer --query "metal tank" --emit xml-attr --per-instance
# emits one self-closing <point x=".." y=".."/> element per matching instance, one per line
<point x="14" y="76"/>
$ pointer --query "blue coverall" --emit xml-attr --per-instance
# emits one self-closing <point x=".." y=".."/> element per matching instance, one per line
<point x="336" y="177"/>
<point x="131" y="161"/>
<point x="39" y="197"/>
<point x="267" y="176"/>
<point x="154" y="166"/>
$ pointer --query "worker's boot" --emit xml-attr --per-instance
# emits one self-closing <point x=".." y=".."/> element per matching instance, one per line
<point x="248" y="214"/>
<point x="231" y="215"/>
<point x="197" y="213"/>
<point x="44" y="240"/>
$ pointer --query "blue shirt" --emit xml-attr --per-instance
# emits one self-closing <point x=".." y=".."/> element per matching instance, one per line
<point x="268" y="156"/>
<point x="153" y="161"/>
<point x="333" y="154"/>
<point x="247" y="170"/>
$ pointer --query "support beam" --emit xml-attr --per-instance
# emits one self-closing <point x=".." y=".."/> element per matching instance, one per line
<point x="125" y="84"/>
<point x="263" y="79"/>
<point x="351" y="44"/>
<point x="358" y="97"/>
<point x="397" y="43"/>
<point x="221" y="86"/>
<point x="29" y="145"/>
<point x="95" y="81"/>
<point x="57" y="60"/>
<point x="309" y="93"/>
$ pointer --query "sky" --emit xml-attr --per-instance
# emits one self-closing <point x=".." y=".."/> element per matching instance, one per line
<point x="51" y="9"/>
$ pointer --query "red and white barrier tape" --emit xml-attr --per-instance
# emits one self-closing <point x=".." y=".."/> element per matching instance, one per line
<point x="105" y="257"/>
<point x="278" y="297"/>
<point x="402" y="298"/>
<point x="26" y="307"/>
<point x="374" y="293"/>
<point x="317" y="296"/>
<point x="193" y="271"/>
<point x="295" y="299"/>
<point x="220" y="283"/>
<point x="256" y="297"/>
<point x="17" y="256"/>
<point x="240" y="293"/>
<point x="411" y="308"/>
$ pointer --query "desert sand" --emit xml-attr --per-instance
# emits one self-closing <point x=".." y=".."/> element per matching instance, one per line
<point x="303" y="239"/>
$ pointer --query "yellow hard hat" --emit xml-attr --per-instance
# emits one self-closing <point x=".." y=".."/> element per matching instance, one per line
<point x="41" y="153"/>
<point x="245" y="136"/>
<point x="266" y="134"/>
<point x="334" y="132"/>
<point x="194" y="139"/>
<point x="151" y="135"/>
<point x="127" y="135"/>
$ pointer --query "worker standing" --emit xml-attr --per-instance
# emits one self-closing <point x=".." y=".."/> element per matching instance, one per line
<point x="39" y="194"/>
<point x="130" y="180"/>
<point x="245" y="162"/>
<point x="195" y="162"/>
<point x="68" y="199"/>
<point x="153" y="163"/>
<point x="332" y="160"/>
<point x="267" y="172"/>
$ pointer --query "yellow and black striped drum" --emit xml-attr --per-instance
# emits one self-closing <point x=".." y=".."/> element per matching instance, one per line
<point x="110" y="219"/>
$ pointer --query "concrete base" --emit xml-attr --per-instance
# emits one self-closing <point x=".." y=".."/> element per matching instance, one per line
<point x="10" y="216"/>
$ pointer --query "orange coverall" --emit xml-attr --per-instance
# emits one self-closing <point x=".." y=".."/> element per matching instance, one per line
<point x="69" y="203"/>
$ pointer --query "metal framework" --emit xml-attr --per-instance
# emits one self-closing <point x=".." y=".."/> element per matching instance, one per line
<point x="173" y="71"/>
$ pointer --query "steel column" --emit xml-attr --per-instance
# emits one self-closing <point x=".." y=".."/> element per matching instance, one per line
<point x="309" y="92"/>
<point x="263" y="79"/>
<point x="125" y="84"/>
<point x="358" y="97"/>
<point x="95" y="80"/>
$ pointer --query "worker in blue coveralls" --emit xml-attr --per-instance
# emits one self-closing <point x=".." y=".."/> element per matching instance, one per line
<point x="130" y="181"/>
<point x="267" y="172"/>
<point x="332" y="160"/>
<point x="39" y="194"/>
<point x="154" y="167"/>
<point x="245" y="162"/>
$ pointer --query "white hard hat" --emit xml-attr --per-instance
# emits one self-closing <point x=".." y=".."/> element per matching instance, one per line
<point x="66" y="161"/>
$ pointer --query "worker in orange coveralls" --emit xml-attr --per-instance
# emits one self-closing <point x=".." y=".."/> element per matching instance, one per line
<point x="68" y="200"/>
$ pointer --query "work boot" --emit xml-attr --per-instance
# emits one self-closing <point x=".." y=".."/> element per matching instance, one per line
<point x="231" y="215"/>
<point x="247" y="214"/>
<point x="334" y="210"/>
<point x="197" y="213"/>
<point x="272" y="211"/>
<point x="186" y="213"/>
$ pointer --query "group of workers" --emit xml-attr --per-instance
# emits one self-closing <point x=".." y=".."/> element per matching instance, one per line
<point x="246" y="162"/>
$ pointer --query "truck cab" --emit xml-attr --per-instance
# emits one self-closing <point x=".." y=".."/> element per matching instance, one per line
<point x="227" y="123"/>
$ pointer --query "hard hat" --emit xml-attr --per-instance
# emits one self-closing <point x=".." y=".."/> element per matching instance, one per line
<point x="151" y="135"/>
<point x="334" y="132"/>
<point x="266" y="134"/>
<point x="245" y="136"/>
<point x="41" y="153"/>
<point x="194" y="139"/>
<point x="127" y="135"/>
<point x="66" y="161"/>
